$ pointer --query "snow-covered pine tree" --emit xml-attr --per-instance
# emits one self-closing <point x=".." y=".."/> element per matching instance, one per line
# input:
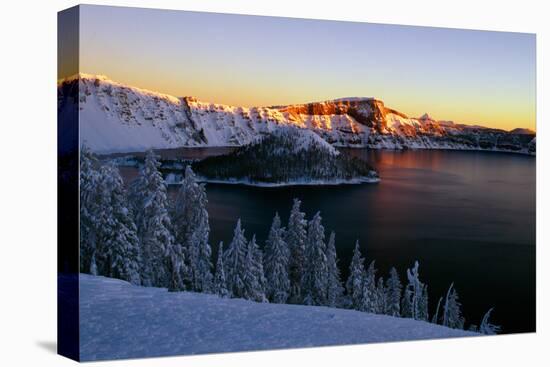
<point x="93" y="266"/>
<point x="369" y="301"/>
<point x="253" y="277"/>
<point x="234" y="262"/>
<point x="423" y="304"/>
<point x="295" y="238"/>
<point x="335" y="290"/>
<point x="175" y="267"/>
<point x="393" y="295"/>
<point x="314" y="280"/>
<point x="486" y="327"/>
<point x="452" y="315"/>
<point x="219" y="286"/>
<point x="354" y="284"/>
<point x="89" y="211"/>
<point x="150" y="207"/>
<point x="435" y="318"/>
<point x="191" y="227"/>
<point x="259" y="268"/>
<point x="120" y="257"/>
<point x="277" y="257"/>
<point x="415" y="293"/>
<point x="406" y="303"/>
<point x="381" y="296"/>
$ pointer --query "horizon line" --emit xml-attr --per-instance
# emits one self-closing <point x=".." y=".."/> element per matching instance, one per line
<point x="105" y="77"/>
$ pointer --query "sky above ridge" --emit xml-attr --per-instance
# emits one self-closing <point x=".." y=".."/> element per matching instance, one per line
<point x="473" y="77"/>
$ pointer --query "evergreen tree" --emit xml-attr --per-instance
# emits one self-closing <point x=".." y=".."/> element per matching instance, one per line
<point x="423" y="304"/>
<point x="486" y="327"/>
<point x="452" y="315"/>
<point x="259" y="268"/>
<point x="234" y="262"/>
<point x="277" y="257"/>
<point x="120" y="248"/>
<point x="435" y="318"/>
<point x="253" y="277"/>
<point x="89" y="211"/>
<point x="369" y="301"/>
<point x="93" y="266"/>
<point x="192" y="230"/>
<point x="220" y="283"/>
<point x="381" y="296"/>
<point x="416" y="295"/>
<point x="175" y="267"/>
<point x="314" y="280"/>
<point x="334" y="284"/>
<point x="394" y="288"/>
<point x="406" y="303"/>
<point x="150" y="206"/>
<point x="354" y="284"/>
<point x="296" y="238"/>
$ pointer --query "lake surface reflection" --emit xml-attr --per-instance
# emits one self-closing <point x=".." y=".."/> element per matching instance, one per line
<point x="468" y="217"/>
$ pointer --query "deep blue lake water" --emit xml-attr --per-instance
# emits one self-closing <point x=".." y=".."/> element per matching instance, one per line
<point x="467" y="217"/>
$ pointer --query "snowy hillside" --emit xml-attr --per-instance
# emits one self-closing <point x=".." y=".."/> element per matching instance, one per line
<point x="302" y="140"/>
<point x="119" y="118"/>
<point x="119" y="320"/>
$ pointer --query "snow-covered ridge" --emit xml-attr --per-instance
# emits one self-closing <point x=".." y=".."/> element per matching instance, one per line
<point x="120" y="320"/>
<point x="97" y="79"/>
<point x="119" y="118"/>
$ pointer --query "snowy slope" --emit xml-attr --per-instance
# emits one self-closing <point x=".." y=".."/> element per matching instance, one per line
<point x="304" y="140"/>
<point x="119" y="320"/>
<point x="116" y="118"/>
<point x="119" y="118"/>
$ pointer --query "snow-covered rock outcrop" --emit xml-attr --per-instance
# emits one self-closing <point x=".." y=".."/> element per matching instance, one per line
<point x="120" y="320"/>
<point x="119" y="118"/>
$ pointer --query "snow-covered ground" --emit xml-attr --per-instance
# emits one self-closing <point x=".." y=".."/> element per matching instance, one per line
<point x="120" y="320"/>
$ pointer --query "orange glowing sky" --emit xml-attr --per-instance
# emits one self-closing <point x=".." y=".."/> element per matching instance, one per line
<point x="473" y="77"/>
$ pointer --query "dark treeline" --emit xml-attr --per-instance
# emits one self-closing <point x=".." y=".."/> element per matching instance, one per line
<point x="139" y="235"/>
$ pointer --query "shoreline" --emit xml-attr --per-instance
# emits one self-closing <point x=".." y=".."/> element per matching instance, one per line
<point x="245" y="182"/>
<point x="133" y="153"/>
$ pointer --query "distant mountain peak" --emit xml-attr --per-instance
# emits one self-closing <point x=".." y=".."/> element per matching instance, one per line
<point x="425" y="116"/>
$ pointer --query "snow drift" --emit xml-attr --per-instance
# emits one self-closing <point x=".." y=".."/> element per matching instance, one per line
<point x="120" y="320"/>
